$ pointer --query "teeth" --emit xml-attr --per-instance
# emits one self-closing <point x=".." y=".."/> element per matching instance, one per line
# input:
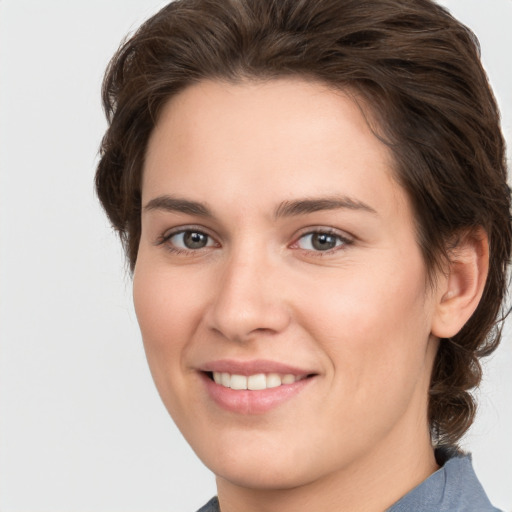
<point x="255" y="382"/>
<point x="273" y="380"/>
<point x="238" y="382"/>
<point x="225" y="380"/>
<point x="288" y="379"/>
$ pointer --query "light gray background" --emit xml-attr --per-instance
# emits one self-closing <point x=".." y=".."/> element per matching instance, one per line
<point x="81" y="425"/>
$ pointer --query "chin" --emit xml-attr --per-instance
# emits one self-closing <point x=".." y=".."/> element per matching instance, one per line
<point x="262" y="475"/>
<point x="262" y="465"/>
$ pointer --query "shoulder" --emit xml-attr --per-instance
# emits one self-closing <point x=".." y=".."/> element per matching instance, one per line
<point x="453" y="488"/>
<point x="211" y="506"/>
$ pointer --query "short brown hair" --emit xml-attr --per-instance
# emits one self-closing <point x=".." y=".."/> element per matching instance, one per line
<point x="418" y="72"/>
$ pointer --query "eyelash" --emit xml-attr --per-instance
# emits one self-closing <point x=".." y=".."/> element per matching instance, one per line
<point x="341" y="241"/>
<point x="165" y="240"/>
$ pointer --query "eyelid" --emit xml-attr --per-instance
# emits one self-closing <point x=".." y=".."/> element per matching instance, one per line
<point x="343" y="236"/>
<point x="169" y="233"/>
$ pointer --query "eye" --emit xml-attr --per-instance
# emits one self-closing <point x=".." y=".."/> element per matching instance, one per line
<point x="321" y="241"/>
<point x="188" y="240"/>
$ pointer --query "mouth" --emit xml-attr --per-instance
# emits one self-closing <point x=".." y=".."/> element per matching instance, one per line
<point x="254" y="387"/>
<point x="255" y="382"/>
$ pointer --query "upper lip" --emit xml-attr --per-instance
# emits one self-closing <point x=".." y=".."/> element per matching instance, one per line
<point x="252" y="367"/>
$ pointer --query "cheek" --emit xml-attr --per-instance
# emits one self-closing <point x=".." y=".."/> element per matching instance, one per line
<point x="167" y="305"/>
<point x="166" y="298"/>
<point x="374" y="326"/>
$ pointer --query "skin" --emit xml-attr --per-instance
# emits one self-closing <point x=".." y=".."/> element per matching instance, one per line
<point x="360" y="317"/>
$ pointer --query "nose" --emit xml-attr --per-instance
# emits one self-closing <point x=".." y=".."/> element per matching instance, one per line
<point x="248" y="300"/>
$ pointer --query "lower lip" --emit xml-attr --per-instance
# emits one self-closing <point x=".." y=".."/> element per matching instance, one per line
<point x="253" y="402"/>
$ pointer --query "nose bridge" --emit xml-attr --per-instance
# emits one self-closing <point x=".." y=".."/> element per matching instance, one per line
<point x="248" y="299"/>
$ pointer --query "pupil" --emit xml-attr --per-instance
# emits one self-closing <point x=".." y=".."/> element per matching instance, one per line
<point x="323" y="242"/>
<point x="194" y="240"/>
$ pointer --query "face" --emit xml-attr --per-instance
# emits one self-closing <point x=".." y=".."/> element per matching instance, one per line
<point x="279" y="286"/>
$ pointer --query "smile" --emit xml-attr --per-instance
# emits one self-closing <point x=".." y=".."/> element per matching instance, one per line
<point x="256" y="382"/>
<point x="253" y="387"/>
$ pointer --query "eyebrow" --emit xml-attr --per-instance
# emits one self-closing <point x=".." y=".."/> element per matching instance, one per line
<point x="176" y="204"/>
<point x="305" y="206"/>
<point x="285" y="209"/>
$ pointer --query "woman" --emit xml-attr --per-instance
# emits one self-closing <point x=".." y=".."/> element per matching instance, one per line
<point x="313" y="201"/>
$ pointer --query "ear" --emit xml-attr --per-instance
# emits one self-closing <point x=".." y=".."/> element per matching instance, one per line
<point x="461" y="288"/>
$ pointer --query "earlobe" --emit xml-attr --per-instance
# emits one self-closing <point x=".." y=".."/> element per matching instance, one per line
<point x="461" y="288"/>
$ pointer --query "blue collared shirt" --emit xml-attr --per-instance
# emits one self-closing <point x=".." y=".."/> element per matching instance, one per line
<point x="452" y="488"/>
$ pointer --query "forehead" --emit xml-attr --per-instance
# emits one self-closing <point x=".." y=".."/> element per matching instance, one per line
<point x="297" y="137"/>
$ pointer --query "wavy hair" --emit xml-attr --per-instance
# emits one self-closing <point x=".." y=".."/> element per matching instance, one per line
<point x="418" y="73"/>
